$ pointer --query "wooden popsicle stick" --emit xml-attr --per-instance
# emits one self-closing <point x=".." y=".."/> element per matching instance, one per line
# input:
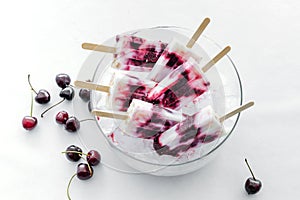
<point x="109" y="114"/>
<point x="236" y="111"/>
<point x="98" y="47"/>
<point x="216" y="59"/>
<point x="92" y="86"/>
<point x="198" y="32"/>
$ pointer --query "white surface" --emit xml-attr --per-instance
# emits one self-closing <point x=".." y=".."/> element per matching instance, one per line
<point x="44" y="38"/>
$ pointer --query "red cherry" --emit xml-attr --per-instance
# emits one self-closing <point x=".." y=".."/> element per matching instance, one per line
<point x="61" y="117"/>
<point x="84" y="171"/>
<point x="252" y="185"/>
<point x="63" y="80"/>
<point x="93" y="157"/>
<point x="72" y="124"/>
<point x="73" y="153"/>
<point x="42" y="96"/>
<point x="29" y="122"/>
<point x="85" y="94"/>
<point x="67" y="93"/>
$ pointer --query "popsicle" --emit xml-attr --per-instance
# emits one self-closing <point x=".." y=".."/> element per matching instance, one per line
<point x="203" y="127"/>
<point x="173" y="56"/>
<point x="176" y="54"/>
<point x="182" y="85"/>
<point x="137" y="54"/>
<point x="132" y="53"/>
<point x="147" y="120"/>
<point x="122" y="90"/>
<point x="144" y="120"/>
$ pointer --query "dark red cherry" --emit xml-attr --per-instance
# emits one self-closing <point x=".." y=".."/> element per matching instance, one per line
<point x="84" y="94"/>
<point x="29" y="122"/>
<point x="73" y="153"/>
<point x="42" y="97"/>
<point x="84" y="171"/>
<point x="67" y="93"/>
<point x="72" y="124"/>
<point x="93" y="157"/>
<point x="252" y="185"/>
<point x="63" y="80"/>
<point x="61" y="117"/>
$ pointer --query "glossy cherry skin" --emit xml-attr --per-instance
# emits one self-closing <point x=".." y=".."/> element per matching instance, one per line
<point x="252" y="186"/>
<point x="72" y="124"/>
<point x="84" y="94"/>
<point x="74" y="157"/>
<point x="93" y="157"/>
<point x="63" y="80"/>
<point x="84" y="172"/>
<point x="67" y="93"/>
<point x="42" y="97"/>
<point x="29" y="122"/>
<point x="62" y="117"/>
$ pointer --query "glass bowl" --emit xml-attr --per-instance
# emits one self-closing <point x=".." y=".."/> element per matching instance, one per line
<point x="226" y="95"/>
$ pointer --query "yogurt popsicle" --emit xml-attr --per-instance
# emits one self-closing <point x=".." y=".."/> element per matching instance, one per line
<point x="203" y="127"/>
<point x="180" y="87"/>
<point x="173" y="56"/>
<point x="132" y="53"/>
<point x="122" y="90"/>
<point x="143" y="120"/>
<point x="183" y="84"/>
<point x="147" y="120"/>
<point x="137" y="54"/>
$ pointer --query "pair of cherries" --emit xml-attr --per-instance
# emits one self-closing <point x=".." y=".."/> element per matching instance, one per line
<point x="43" y="97"/>
<point x="72" y="124"/>
<point x="84" y="170"/>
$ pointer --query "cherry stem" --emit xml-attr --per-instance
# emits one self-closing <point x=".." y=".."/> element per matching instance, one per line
<point x="80" y="153"/>
<point x="42" y="115"/>
<point x="28" y="78"/>
<point x="68" y="188"/>
<point x="250" y="169"/>
<point x="31" y="106"/>
<point x="71" y="179"/>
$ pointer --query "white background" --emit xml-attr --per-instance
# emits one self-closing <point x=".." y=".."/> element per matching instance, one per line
<point x="43" y="38"/>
